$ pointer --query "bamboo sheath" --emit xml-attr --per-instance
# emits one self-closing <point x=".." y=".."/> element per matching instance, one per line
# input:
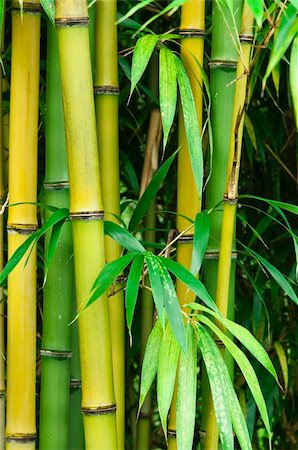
<point x="107" y="91"/>
<point x="86" y="212"/>
<point x="57" y="304"/>
<point x="22" y="221"/>
<point x="192" y="32"/>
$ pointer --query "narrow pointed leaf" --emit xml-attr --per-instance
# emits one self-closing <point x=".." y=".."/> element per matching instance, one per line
<point x="123" y="237"/>
<point x="134" y="9"/>
<point x="257" y="9"/>
<point x="283" y="205"/>
<point x="186" y="396"/>
<point x="54" y="239"/>
<point x="293" y="77"/>
<point x="150" y="361"/>
<point x="141" y="56"/>
<point x="190" y="280"/>
<point x="156" y="284"/>
<point x="191" y="126"/>
<point x="150" y="192"/>
<point x="132" y="288"/>
<point x="172" y="307"/>
<point x="49" y="9"/>
<point x="166" y="374"/>
<point x="58" y="216"/>
<point x="167" y="90"/>
<point x="276" y="275"/>
<point x="2" y="7"/>
<point x="246" y="369"/>
<point x="244" y="336"/>
<point x="108" y="275"/>
<point x="213" y="362"/>
<point x="281" y="354"/>
<point x="201" y="237"/>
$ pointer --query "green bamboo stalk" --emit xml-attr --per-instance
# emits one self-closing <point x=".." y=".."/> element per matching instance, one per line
<point x="86" y="212"/>
<point x="57" y="305"/>
<point x="223" y="65"/>
<point x="107" y="90"/>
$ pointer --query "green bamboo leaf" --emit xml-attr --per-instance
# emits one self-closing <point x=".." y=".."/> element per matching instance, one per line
<point x="167" y="90"/>
<point x="156" y="284"/>
<point x="213" y="362"/>
<point x="150" y="192"/>
<point x="150" y="361"/>
<point x="190" y="280"/>
<point x="246" y="369"/>
<point x="186" y="396"/>
<point x="201" y="237"/>
<point x="293" y="77"/>
<point x="134" y="9"/>
<point x="49" y="9"/>
<point x="123" y="237"/>
<point x="283" y="205"/>
<point x="54" y="239"/>
<point x="191" y="126"/>
<point x="294" y="3"/>
<point x="58" y="216"/>
<point x="172" y="306"/>
<point x="257" y="9"/>
<point x="132" y="288"/>
<point x="108" y="275"/>
<point x="244" y="336"/>
<point x="276" y="275"/>
<point x="281" y="354"/>
<point x="286" y="32"/>
<point x="166" y="374"/>
<point x="2" y="8"/>
<point x="141" y="56"/>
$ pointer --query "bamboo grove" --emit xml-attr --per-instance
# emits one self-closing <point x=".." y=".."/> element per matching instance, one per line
<point x="110" y="279"/>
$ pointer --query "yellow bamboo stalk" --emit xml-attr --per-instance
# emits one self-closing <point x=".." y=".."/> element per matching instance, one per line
<point x="231" y="191"/>
<point x="106" y="90"/>
<point x="22" y="221"/>
<point x="86" y="212"/>
<point x="192" y="32"/>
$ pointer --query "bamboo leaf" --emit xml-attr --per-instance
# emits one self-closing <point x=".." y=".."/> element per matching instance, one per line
<point x="134" y="9"/>
<point x="213" y="362"/>
<point x="2" y="9"/>
<point x="246" y="369"/>
<point x="244" y="336"/>
<point x="123" y="237"/>
<point x="201" y="237"/>
<point x="150" y="361"/>
<point x="276" y="275"/>
<point x="150" y="192"/>
<point x="156" y="284"/>
<point x="293" y="77"/>
<point x="286" y="32"/>
<point x="54" y="239"/>
<point x="167" y="90"/>
<point x="186" y="396"/>
<point x="190" y="280"/>
<point x="172" y="306"/>
<point x="132" y="288"/>
<point x="49" y="9"/>
<point x="191" y="126"/>
<point x="281" y="354"/>
<point x="286" y="206"/>
<point x="108" y="275"/>
<point x="166" y="374"/>
<point x="257" y="9"/>
<point x="141" y="56"/>
<point x="58" y="216"/>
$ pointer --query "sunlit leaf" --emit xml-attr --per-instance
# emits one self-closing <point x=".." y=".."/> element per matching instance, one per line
<point x="167" y="90"/>
<point x="150" y="361"/>
<point x="156" y="284"/>
<point x="187" y="389"/>
<point x="201" y="237"/>
<point x="132" y="288"/>
<point x="213" y="362"/>
<point x="123" y="237"/>
<point x="257" y="9"/>
<point x="141" y="56"/>
<point x="293" y="76"/>
<point x="166" y="374"/>
<point x="134" y="9"/>
<point x="283" y="362"/>
<point x="49" y="9"/>
<point x="191" y="126"/>
<point x="150" y="192"/>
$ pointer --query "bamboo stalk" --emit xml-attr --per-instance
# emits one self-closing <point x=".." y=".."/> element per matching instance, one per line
<point x="192" y="32"/>
<point x="57" y="305"/>
<point x="22" y="221"/>
<point x="86" y="212"/>
<point x="107" y="90"/>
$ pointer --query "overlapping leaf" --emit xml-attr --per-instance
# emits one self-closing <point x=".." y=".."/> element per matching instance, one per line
<point x="132" y="288"/>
